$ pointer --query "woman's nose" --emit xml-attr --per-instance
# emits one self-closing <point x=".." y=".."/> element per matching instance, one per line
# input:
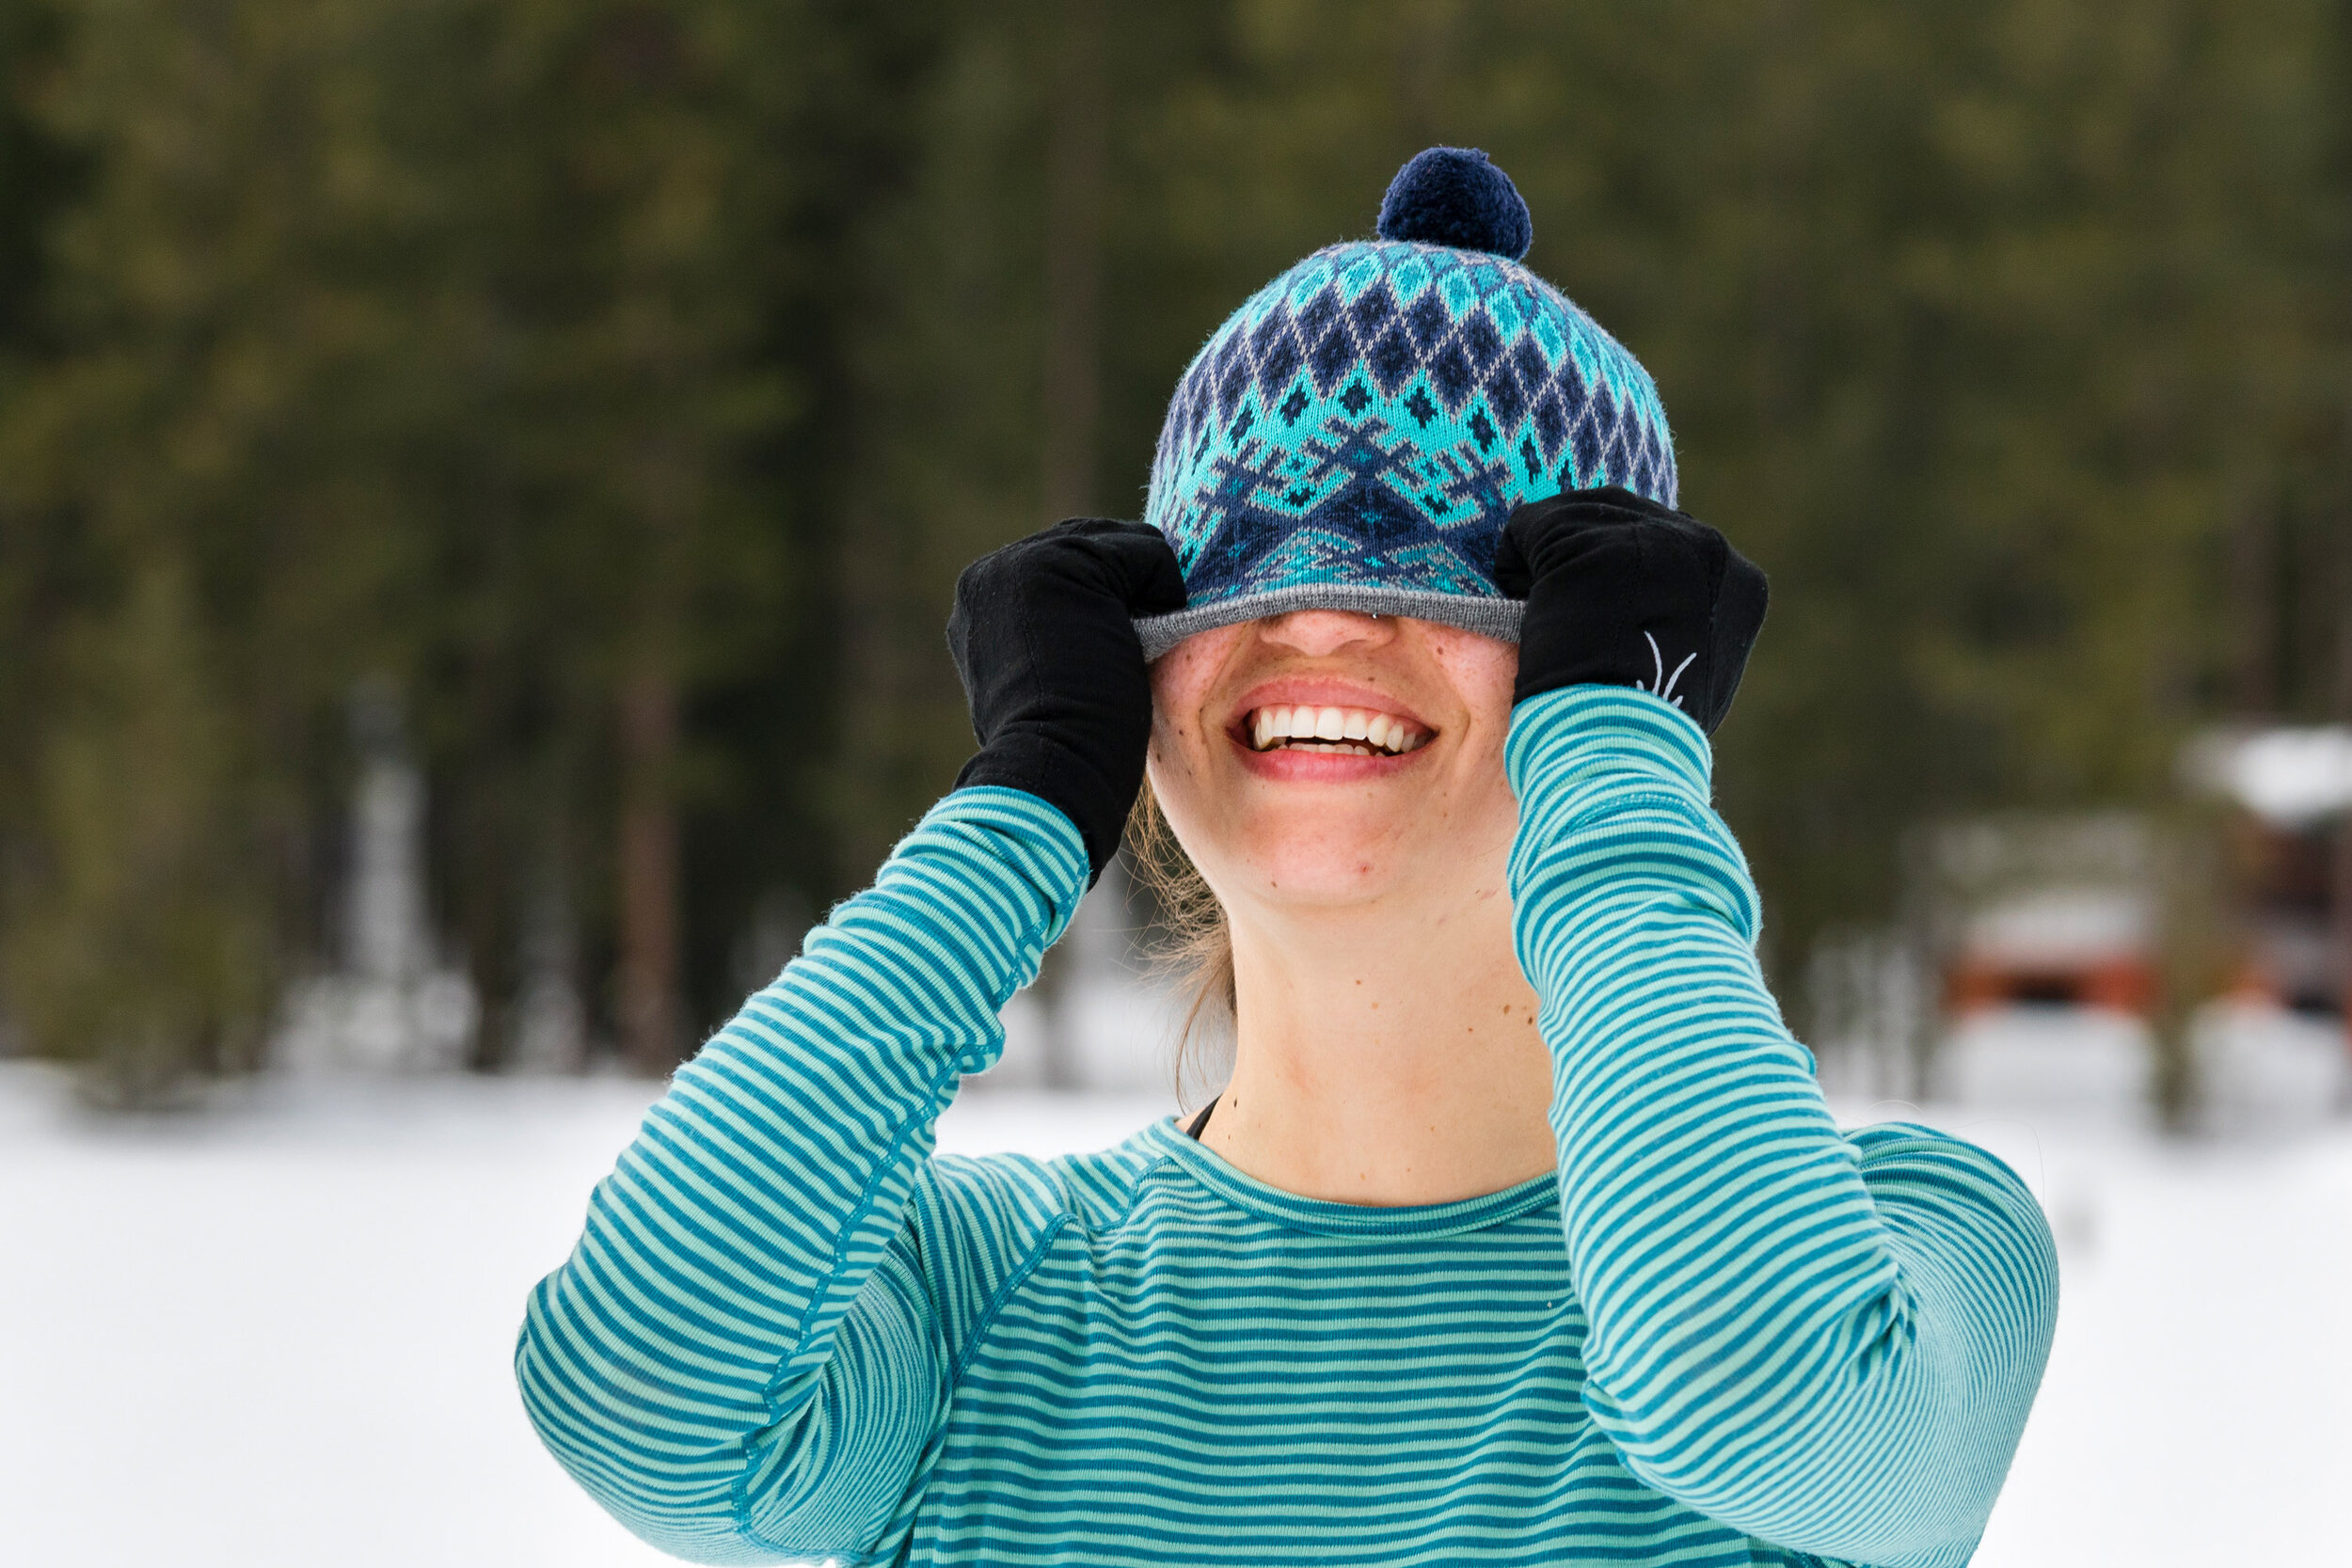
<point x="1317" y="632"/>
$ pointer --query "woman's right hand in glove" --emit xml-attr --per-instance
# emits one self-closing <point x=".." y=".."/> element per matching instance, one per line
<point x="1043" y="636"/>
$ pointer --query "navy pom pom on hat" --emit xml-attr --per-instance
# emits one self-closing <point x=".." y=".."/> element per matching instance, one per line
<point x="1355" y="435"/>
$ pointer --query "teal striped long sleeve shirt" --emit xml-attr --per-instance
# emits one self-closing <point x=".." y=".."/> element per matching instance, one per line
<point x="1726" y="1334"/>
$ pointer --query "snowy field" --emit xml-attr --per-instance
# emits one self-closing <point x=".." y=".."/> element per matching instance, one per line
<point x="280" y="1334"/>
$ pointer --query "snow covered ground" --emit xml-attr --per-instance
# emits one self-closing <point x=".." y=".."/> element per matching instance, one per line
<point x="280" y="1334"/>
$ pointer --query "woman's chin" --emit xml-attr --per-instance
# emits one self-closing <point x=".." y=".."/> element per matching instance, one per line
<point x="1334" y="857"/>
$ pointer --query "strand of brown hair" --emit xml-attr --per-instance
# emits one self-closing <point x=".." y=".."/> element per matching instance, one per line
<point x="1195" y="945"/>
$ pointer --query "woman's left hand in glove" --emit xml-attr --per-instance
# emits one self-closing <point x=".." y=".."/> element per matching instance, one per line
<point x="1621" y="590"/>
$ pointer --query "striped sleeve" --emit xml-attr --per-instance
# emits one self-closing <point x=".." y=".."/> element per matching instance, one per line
<point x="1827" y="1343"/>
<point x="743" y="1358"/>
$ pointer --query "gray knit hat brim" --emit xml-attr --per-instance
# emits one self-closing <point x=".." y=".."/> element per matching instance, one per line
<point x="1495" y="616"/>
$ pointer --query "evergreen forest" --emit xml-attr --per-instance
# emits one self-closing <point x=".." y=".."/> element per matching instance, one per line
<point x="621" y="384"/>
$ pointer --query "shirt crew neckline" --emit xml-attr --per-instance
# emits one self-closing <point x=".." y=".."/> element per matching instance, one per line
<point x="1330" y="1218"/>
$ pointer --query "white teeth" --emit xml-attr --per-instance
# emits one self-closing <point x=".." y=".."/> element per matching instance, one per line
<point x="1381" y="733"/>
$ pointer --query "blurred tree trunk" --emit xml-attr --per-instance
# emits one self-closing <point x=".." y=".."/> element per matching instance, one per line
<point x="647" y="979"/>
<point x="2340" y="889"/>
<point x="2254" y="566"/>
<point x="2196" y="943"/>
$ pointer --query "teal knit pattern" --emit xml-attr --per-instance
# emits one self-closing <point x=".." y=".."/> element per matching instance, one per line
<point x="1355" y="435"/>
<point x="1726" y="1334"/>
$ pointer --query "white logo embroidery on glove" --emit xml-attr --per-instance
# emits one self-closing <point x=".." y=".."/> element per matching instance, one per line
<point x="1661" y="684"/>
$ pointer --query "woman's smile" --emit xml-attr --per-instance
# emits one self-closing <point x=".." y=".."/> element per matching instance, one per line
<point x="1327" y="731"/>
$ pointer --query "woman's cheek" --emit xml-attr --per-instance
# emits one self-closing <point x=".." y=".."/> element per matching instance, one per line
<point x="1180" y="684"/>
<point x="1483" y="670"/>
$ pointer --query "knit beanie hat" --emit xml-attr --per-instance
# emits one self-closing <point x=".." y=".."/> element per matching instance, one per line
<point x="1355" y="435"/>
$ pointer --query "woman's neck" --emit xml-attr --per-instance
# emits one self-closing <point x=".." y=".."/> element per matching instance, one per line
<point x="1384" y="1059"/>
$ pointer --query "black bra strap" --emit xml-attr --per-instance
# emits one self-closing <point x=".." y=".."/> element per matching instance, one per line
<point x="1200" y="1121"/>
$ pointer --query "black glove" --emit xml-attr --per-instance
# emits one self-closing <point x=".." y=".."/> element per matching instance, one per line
<point x="1044" y="635"/>
<point x="1621" y="590"/>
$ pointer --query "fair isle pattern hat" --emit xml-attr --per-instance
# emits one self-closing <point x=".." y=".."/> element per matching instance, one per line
<point x="1355" y="435"/>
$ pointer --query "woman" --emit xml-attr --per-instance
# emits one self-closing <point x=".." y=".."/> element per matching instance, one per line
<point x="1520" y="1234"/>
